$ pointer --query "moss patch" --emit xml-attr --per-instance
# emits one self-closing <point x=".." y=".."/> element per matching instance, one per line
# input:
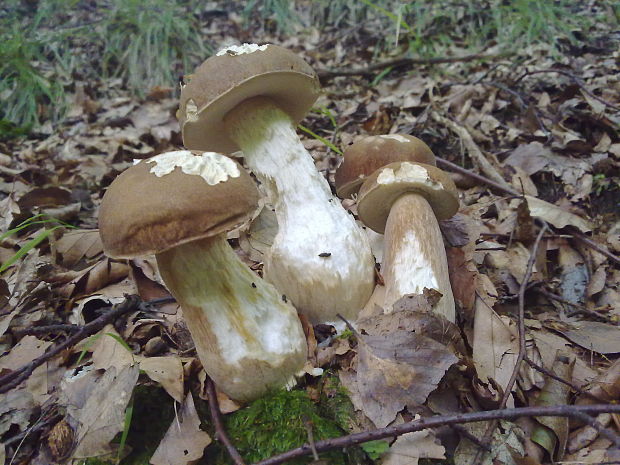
<point x="275" y="424"/>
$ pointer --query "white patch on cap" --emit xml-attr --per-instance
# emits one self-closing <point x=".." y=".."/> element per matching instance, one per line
<point x="407" y="172"/>
<point x="235" y="50"/>
<point x="396" y="137"/>
<point x="210" y="166"/>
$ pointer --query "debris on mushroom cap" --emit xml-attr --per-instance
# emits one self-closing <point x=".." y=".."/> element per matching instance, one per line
<point x="236" y="74"/>
<point x="172" y="199"/>
<point x="384" y="186"/>
<point x="210" y="166"/>
<point x="367" y="155"/>
<point x="241" y="49"/>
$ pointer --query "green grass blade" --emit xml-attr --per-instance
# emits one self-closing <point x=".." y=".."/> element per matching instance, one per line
<point x="322" y="139"/>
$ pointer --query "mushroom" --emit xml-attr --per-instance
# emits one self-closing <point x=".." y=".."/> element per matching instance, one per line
<point x="179" y="206"/>
<point x="365" y="156"/>
<point x="250" y="97"/>
<point x="404" y="200"/>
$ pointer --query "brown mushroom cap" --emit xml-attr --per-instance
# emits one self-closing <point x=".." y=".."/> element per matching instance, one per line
<point x="142" y="213"/>
<point x="367" y="155"/>
<point x="384" y="186"/>
<point x="223" y="81"/>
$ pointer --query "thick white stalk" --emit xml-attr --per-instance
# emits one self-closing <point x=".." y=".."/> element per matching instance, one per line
<point x="414" y="256"/>
<point x="248" y="338"/>
<point x="320" y="258"/>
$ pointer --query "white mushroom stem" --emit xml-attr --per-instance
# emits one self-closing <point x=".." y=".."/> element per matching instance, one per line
<point x="320" y="258"/>
<point x="414" y="255"/>
<point x="248" y="338"/>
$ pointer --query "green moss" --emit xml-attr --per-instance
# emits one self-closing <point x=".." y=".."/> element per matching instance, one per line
<point x="275" y="424"/>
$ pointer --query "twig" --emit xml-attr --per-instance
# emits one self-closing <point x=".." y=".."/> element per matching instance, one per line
<point x="15" y="378"/>
<point x="398" y="63"/>
<point x="575" y="79"/>
<point x="609" y="434"/>
<point x="522" y="346"/>
<point x="548" y="373"/>
<point x="573" y="411"/>
<point x="598" y="248"/>
<point x="578" y="308"/>
<point x="44" y="330"/>
<point x="473" y="150"/>
<point x="509" y="190"/>
<point x="220" y="431"/>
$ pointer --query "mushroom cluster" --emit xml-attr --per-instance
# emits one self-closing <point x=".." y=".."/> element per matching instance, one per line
<point x="179" y="206"/>
<point x="402" y="195"/>
<point x="249" y="97"/>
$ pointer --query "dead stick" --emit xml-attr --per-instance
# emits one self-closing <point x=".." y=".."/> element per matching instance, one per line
<point x="14" y="378"/>
<point x="510" y="191"/>
<point x="475" y="153"/>
<point x="577" y="81"/>
<point x="220" y="431"/>
<point x="398" y="63"/>
<point x="573" y="411"/>
<point x="522" y="347"/>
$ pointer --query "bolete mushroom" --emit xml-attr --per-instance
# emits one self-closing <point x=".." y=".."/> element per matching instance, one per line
<point x="179" y="206"/>
<point x="365" y="156"/>
<point x="249" y="97"/>
<point x="404" y="200"/>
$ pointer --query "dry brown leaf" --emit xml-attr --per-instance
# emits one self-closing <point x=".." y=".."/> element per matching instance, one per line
<point x="410" y="447"/>
<point x="168" y="371"/>
<point x="397" y="369"/>
<point x="507" y="442"/>
<point x="184" y="441"/>
<point x="73" y="246"/>
<point x="555" y="215"/>
<point x="552" y="435"/>
<point x="258" y="238"/>
<point x="16" y="409"/>
<point x="593" y="335"/>
<point x="584" y="436"/>
<point x="462" y="278"/>
<point x="108" y="351"/>
<point x="96" y="404"/>
<point x="495" y="345"/>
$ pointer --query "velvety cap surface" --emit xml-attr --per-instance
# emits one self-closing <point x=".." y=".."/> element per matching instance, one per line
<point x="384" y="186"/>
<point x="234" y="75"/>
<point x="173" y="198"/>
<point x="367" y="155"/>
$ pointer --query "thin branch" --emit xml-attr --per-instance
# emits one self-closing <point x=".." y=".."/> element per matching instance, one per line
<point x="598" y="248"/>
<point x="548" y="373"/>
<point x="220" y="431"/>
<point x="510" y="191"/>
<point x="573" y="411"/>
<point x="398" y="63"/>
<point x="522" y="345"/>
<point x="475" y="153"/>
<point x="578" y="308"/>
<point x="577" y="80"/>
<point x="15" y="378"/>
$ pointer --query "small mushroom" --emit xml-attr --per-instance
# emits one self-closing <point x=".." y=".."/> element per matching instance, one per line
<point x="367" y="155"/>
<point x="179" y="206"/>
<point x="404" y="200"/>
<point x="250" y="97"/>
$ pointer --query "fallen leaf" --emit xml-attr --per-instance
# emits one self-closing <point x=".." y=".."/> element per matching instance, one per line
<point x="593" y="335"/>
<point x="397" y="369"/>
<point x="168" y="371"/>
<point x="73" y="246"/>
<point x="410" y="447"/>
<point x="552" y="434"/>
<point x="96" y="406"/>
<point x="109" y="351"/>
<point x="555" y="215"/>
<point x="184" y="441"/>
<point x="506" y="441"/>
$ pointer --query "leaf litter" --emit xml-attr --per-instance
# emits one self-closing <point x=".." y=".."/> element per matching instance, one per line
<point x="551" y="147"/>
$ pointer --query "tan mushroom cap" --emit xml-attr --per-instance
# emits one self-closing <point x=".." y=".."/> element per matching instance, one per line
<point x="142" y="213"/>
<point x="367" y="155"/>
<point x="224" y="81"/>
<point x="384" y="186"/>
